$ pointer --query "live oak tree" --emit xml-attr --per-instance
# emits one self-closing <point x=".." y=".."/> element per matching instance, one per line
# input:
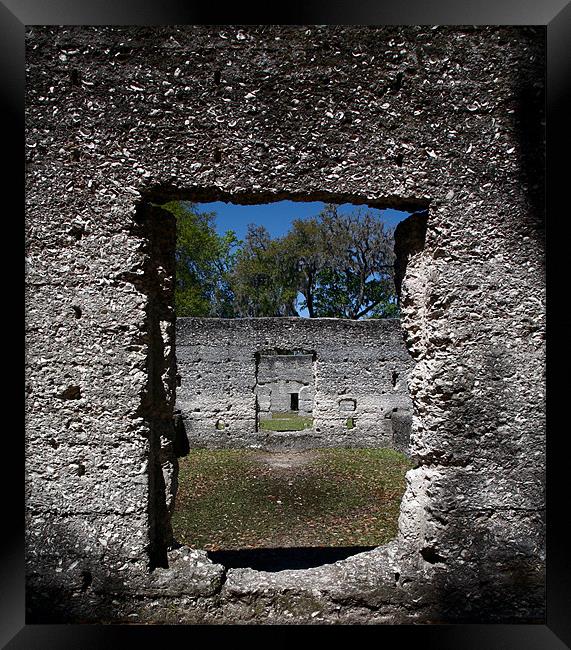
<point x="340" y="263"/>
<point x="336" y="264"/>
<point x="356" y="276"/>
<point x="263" y="279"/>
<point x="306" y="255"/>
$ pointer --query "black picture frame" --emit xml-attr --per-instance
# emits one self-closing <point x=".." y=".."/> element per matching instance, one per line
<point x="555" y="15"/>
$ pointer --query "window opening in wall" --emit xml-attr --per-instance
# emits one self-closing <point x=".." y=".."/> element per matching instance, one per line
<point x="277" y="427"/>
<point x="285" y="390"/>
<point x="307" y="259"/>
<point x="294" y="403"/>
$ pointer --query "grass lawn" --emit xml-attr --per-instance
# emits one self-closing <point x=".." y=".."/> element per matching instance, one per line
<point x="239" y="499"/>
<point x="288" y="421"/>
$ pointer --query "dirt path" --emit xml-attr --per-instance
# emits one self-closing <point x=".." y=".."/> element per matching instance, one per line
<point x="285" y="459"/>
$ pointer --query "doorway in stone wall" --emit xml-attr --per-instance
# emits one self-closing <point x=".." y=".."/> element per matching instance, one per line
<point x="285" y="391"/>
<point x="258" y="486"/>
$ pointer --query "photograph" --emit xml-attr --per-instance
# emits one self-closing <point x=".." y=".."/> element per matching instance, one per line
<point x="285" y="324"/>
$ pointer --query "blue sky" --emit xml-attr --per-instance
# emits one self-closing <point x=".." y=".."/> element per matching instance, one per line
<point x="277" y="217"/>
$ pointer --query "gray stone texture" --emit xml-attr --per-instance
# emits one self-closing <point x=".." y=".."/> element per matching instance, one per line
<point x="224" y="367"/>
<point x="444" y="118"/>
<point x="278" y="377"/>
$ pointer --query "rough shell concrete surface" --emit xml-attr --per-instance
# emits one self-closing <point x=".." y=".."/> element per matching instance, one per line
<point x="227" y="378"/>
<point x="447" y="119"/>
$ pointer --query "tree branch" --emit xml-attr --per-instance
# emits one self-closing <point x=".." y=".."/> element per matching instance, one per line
<point x="367" y="309"/>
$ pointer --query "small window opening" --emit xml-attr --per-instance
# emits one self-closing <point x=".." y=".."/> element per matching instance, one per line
<point x="294" y="402"/>
<point x="347" y="404"/>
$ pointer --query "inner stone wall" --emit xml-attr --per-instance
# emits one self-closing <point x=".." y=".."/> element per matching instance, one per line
<point x="448" y="118"/>
<point x="352" y="369"/>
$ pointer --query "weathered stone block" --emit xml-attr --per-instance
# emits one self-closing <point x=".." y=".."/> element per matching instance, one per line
<point x="345" y="359"/>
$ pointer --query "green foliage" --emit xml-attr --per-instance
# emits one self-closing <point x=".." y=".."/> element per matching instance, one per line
<point x="356" y="275"/>
<point x="263" y="279"/>
<point x="307" y="256"/>
<point x="334" y="265"/>
<point x="204" y="261"/>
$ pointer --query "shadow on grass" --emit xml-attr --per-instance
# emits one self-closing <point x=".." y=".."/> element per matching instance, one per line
<point x="278" y="559"/>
